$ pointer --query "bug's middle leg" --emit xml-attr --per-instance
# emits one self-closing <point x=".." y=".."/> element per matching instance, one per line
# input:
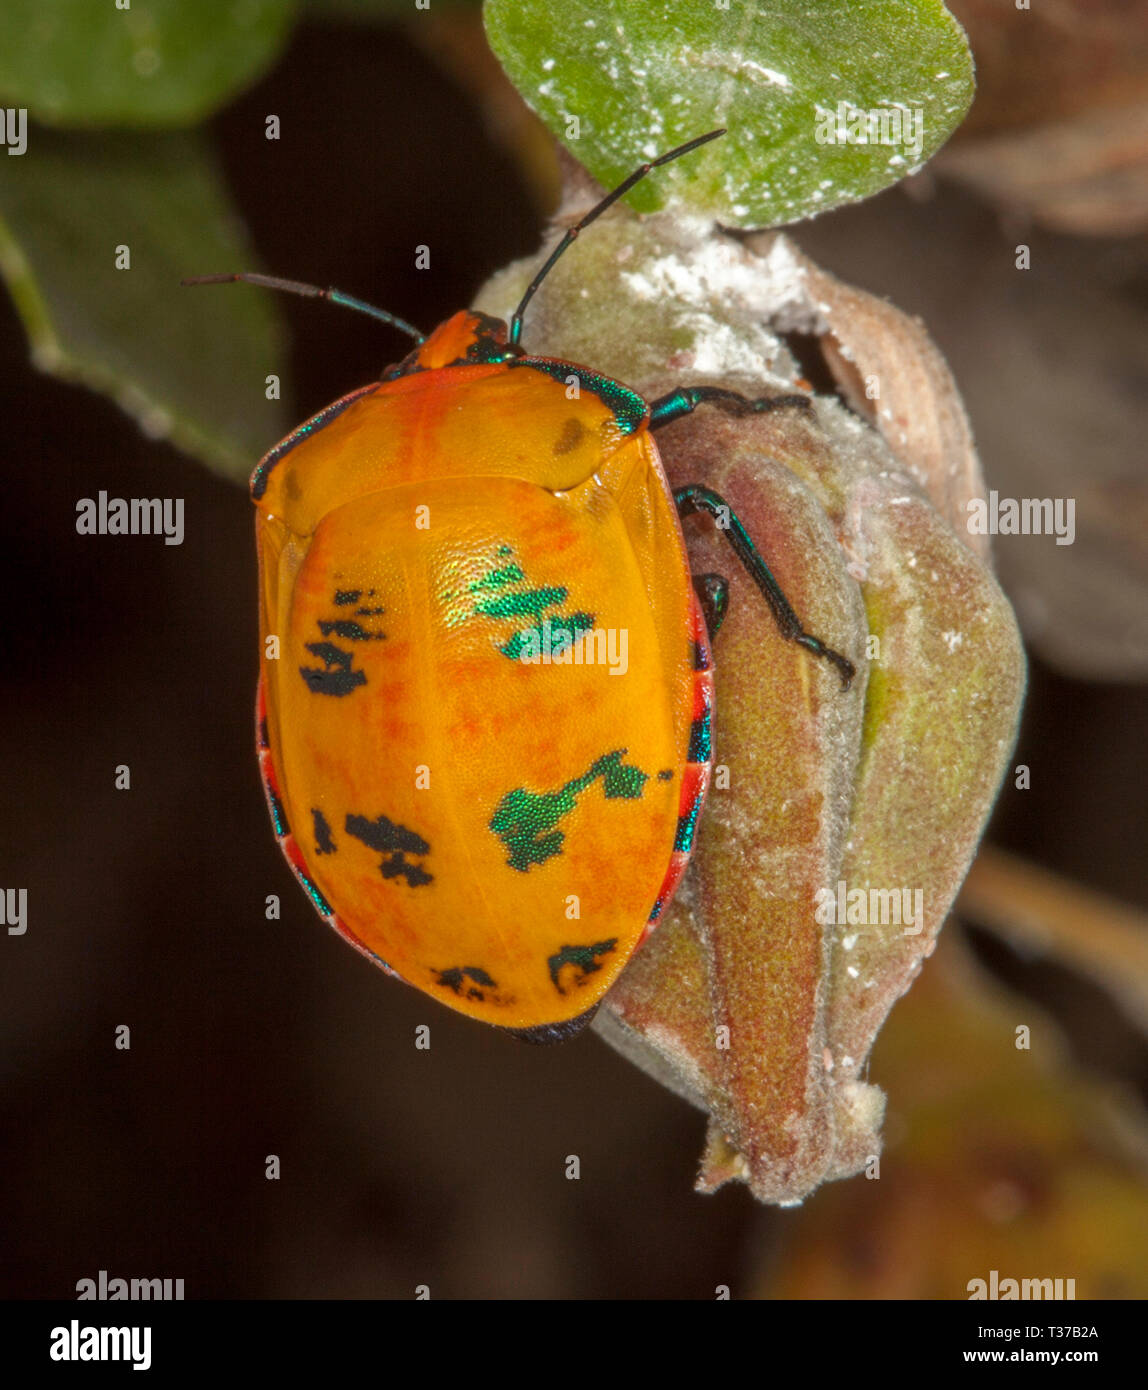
<point x="713" y="595"/>
<point x="696" y="498"/>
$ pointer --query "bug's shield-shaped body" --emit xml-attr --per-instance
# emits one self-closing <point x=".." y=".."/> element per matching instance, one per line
<point x="490" y="667"/>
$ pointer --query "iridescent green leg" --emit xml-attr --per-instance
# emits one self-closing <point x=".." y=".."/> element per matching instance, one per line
<point x="696" y="498"/>
<point x="686" y="399"/>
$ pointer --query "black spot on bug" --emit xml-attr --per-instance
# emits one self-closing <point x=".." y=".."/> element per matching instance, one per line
<point x="457" y="977"/>
<point x="489" y="343"/>
<point x="338" y="676"/>
<point x="324" y="844"/>
<point x="330" y="655"/>
<point x="415" y="875"/>
<point x="583" y="958"/>
<point x="394" y="842"/>
<point x="666" y="774"/>
<point x="345" y="597"/>
<point x="349" y="630"/>
<point x="572" y="432"/>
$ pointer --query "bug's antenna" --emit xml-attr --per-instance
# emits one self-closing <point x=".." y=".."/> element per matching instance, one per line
<point x="596" y="211"/>
<point x="273" y="282"/>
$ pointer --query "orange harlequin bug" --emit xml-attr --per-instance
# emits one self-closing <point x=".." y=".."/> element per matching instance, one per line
<point x="485" y="741"/>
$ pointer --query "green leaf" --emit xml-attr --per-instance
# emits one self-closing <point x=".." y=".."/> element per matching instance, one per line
<point x="639" y="79"/>
<point x="188" y="364"/>
<point x="379" y="11"/>
<point x="161" y="62"/>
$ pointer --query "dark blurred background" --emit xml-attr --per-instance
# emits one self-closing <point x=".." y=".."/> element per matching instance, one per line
<point x="146" y="907"/>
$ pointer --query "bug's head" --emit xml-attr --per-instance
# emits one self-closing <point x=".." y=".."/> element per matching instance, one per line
<point x="466" y="338"/>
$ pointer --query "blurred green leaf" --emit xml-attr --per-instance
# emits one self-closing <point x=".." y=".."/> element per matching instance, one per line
<point x="188" y="364"/>
<point x="381" y="11"/>
<point x="640" y="79"/>
<point x="363" y="11"/>
<point x="161" y="62"/>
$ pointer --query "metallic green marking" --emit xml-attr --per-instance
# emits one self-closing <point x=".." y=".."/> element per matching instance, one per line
<point x="514" y="605"/>
<point x="496" y="579"/>
<point x="561" y="629"/>
<point x="562" y="632"/>
<point x="278" y="816"/>
<point x="583" y="958"/>
<point x="701" y="738"/>
<point x="628" y="408"/>
<point x="311" y="889"/>
<point x="524" y="821"/>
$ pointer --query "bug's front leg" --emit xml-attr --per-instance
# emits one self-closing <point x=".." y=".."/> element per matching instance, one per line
<point x="686" y="399"/>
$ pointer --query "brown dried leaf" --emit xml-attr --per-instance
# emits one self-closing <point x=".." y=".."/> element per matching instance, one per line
<point x="887" y="785"/>
<point x="889" y="370"/>
<point x="1053" y="363"/>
